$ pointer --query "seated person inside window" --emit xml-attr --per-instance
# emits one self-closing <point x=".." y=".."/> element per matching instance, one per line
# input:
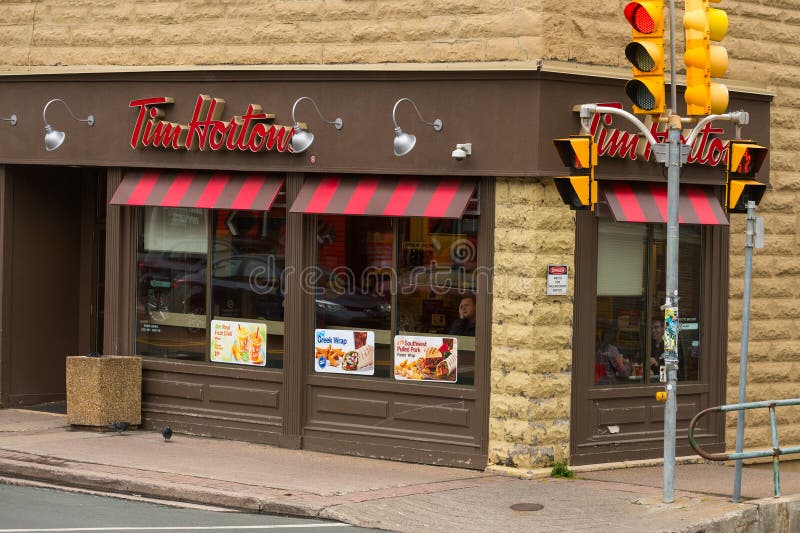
<point x="465" y="323"/>
<point x="610" y="363"/>
<point x="657" y="347"/>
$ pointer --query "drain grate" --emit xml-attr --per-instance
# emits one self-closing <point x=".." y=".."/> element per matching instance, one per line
<point x="527" y="507"/>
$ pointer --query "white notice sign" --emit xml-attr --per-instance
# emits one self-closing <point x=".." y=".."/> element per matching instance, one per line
<point x="556" y="280"/>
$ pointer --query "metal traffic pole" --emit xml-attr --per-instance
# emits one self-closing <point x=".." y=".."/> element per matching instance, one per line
<point x="749" y="244"/>
<point x="671" y="326"/>
<point x="671" y="301"/>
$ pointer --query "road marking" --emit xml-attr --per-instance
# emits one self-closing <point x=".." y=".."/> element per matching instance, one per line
<point x="172" y="528"/>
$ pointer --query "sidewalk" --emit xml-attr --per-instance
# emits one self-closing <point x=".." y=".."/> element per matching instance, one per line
<point x="384" y="494"/>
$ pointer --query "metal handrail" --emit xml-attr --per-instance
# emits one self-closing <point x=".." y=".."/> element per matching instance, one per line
<point x="776" y="450"/>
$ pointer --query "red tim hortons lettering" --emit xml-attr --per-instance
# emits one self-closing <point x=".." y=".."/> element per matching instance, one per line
<point x="146" y="105"/>
<point x="707" y="149"/>
<point x="253" y="131"/>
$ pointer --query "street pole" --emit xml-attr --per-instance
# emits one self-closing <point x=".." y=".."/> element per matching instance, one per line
<point x="671" y="306"/>
<point x="749" y="244"/>
<point x="671" y="300"/>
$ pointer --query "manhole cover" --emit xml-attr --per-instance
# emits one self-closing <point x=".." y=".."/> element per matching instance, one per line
<point x="527" y="507"/>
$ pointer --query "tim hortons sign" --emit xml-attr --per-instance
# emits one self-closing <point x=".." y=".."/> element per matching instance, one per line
<point x="253" y="131"/>
<point x="707" y="149"/>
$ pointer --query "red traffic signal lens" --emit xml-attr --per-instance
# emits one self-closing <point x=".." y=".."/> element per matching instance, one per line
<point x="639" y="18"/>
<point x="640" y="94"/>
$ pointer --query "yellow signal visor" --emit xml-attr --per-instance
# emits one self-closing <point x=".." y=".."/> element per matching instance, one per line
<point x="578" y="192"/>
<point x="718" y="98"/>
<point x="645" y="56"/>
<point x="696" y="55"/>
<point x="578" y="153"/>
<point x="718" y="61"/>
<point x="717" y="24"/>
<point x="647" y="94"/>
<point x="745" y="158"/>
<point x="694" y="16"/>
<point x="703" y="99"/>
<point x="742" y="191"/>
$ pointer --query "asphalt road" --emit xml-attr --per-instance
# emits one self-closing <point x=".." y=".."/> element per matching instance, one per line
<point x="36" y="509"/>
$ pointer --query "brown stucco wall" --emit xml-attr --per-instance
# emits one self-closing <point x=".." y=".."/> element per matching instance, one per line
<point x="531" y="357"/>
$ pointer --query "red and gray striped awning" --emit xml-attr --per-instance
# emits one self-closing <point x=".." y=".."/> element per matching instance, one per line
<point x="647" y="202"/>
<point x="385" y="196"/>
<point x="197" y="189"/>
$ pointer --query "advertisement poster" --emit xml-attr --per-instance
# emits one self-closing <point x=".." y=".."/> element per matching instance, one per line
<point x="242" y="343"/>
<point x="344" y="351"/>
<point x="670" y="328"/>
<point x="426" y="358"/>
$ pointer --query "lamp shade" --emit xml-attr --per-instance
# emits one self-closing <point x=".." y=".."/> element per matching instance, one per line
<point x="301" y="139"/>
<point x="403" y="142"/>
<point x="52" y="138"/>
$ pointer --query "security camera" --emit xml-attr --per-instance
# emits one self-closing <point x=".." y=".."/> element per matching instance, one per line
<point x="462" y="151"/>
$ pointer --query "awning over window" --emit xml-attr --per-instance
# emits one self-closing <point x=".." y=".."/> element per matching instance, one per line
<point x="647" y="202"/>
<point x="196" y="189"/>
<point x="385" y="196"/>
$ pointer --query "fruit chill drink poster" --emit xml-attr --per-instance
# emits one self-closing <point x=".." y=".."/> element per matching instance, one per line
<point x="426" y="358"/>
<point x="344" y="351"/>
<point x="242" y="343"/>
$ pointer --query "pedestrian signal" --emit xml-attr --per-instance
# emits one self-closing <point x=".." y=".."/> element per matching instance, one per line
<point x="646" y="55"/>
<point x="579" y="153"/>
<point x="744" y="160"/>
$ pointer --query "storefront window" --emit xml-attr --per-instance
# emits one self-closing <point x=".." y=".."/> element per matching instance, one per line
<point x="631" y="278"/>
<point x="246" y="279"/>
<point x="173" y="246"/>
<point x="410" y="284"/>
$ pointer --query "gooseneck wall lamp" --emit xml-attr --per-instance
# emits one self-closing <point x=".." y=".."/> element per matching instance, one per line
<point x="302" y="139"/>
<point x="404" y="142"/>
<point x="12" y="119"/>
<point x="52" y="137"/>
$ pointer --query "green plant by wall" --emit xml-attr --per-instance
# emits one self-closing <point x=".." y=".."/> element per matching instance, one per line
<point x="562" y="470"/>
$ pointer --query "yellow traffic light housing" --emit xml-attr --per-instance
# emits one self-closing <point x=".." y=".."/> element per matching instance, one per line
<point x="579" y="153"/>
<point x="744" y="160"/>
<point x="646" y="55"/>
<point x="704" y="60"/>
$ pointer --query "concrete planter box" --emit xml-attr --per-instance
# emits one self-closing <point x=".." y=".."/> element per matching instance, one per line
<point x="104" y="390"/>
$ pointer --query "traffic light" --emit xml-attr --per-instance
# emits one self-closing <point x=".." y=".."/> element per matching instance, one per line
<point x="646" y="55"/>
<point x="704" y="60"/>
<point x="744" y="160"/>
<point x="579" y="153"/>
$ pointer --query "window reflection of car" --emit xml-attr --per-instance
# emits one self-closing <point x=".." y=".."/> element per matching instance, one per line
<point x="243" y="286"/>
<point x="159" y="268"/>
<point x="353" y="309"/>
<point x="341" y="301"/>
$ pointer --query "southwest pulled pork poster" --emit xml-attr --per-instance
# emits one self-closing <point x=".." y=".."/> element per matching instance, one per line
<point x="344" y="351"/>
<point x="426" y="358"/>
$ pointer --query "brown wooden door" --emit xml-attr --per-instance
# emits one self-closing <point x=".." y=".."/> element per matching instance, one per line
<point x="620" y="419"/>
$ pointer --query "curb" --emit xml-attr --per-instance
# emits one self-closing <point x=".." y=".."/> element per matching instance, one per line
<point x="539" y="473"/>
<point x="232" y="497"/>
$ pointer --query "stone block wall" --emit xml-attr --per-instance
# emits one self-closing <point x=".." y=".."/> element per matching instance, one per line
<point x="531" y="332"/>
<point x="277" y="32"/>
